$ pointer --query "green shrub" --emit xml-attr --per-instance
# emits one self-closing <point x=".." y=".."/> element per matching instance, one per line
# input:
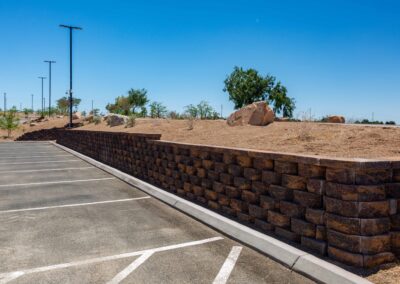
<point x="131" y="122"/>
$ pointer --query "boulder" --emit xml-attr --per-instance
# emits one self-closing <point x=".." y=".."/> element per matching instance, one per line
<point x="76" y="115"/>
<point x="116" y="119"/>
<point x="335" y="119"/>
<point x="258" y="113"/>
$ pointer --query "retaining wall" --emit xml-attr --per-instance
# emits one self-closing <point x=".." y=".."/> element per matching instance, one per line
<point x="346" y="209"/>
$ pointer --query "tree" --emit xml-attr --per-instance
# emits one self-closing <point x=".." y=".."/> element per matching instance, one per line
<point x="157" y="110"/>
<point x="191" y="111"/>
<point x="137" y="99"/>
<point x="128" y="105"/>
<point x="9" y="121"/>
<point x="63" y="104"/>
<point x="247" y="86"/>
<point x="203" y="110"/>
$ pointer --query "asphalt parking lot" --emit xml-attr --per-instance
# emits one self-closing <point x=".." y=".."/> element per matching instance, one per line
<point x="65" y="221"/>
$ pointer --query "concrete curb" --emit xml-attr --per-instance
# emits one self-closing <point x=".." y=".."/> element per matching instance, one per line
<point x="292" y="257"/>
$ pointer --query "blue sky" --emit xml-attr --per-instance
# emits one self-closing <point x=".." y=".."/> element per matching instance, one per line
<point x="335" y="57"/>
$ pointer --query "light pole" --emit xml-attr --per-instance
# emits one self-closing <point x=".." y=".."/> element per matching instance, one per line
<point x="70" y="69"/>
<point x="32" y="102"/>
<point x="5" y="103"/>
<point x="50" y="62"/>
<point x="42" y="78"/>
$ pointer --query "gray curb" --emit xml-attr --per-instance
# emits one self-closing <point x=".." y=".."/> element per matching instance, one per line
<point x="294" y="258"/>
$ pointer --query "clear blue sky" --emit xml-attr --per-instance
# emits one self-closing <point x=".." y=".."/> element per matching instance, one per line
<point x="335" y="57"/>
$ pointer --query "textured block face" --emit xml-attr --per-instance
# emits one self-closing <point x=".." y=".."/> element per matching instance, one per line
<point x="348" y="209"/>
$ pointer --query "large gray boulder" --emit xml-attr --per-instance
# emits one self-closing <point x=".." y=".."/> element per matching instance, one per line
<point x="258" y="113"/>
<point x="114" y="119"/>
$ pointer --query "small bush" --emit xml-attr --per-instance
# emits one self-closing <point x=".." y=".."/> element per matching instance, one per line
<point x="131" y="122"/>
<point x="96" y="120"/>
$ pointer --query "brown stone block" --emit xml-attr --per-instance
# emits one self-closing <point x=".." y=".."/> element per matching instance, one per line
<point x="278" y="219"/>
<point x="201" y="173"/>
<point x="395" y="222"/>
<point x="226" y="178"/>
<point x="374" y="209"/>
<point x="228" y="158"/>
<point x="210" y="195"/>
<point x="314" y="245"/>
<point x="238" y="205"/>
<point x="393" y="206"/>
<point x="378" y="259"/>
<point x="311" y="171"/>
<point x="198" y="190"/>
<point x="181" y="192"/>
<point x="213" y="205"/>
<point x="228" y="210"/>
<point x="294" y="182"/>
<point x="375" y="244"/>
<point x="393" y="190"/>
<point x="353" y="259"/>
<point x="316" y="186"/>
<point x="258" y="212"/>
<point x="375" y="226"/>
<point x="245" y="217"/>
<point x="320" y="232"/>
<point x="291" y="209"/>
<point x="252" y="174"/>
<point x="220" y="167"/>
<point x="355" y="192"/>
<point x="344" y="176"/>
<point x="218" y="187"/>
<point x="285" y="167"/>
<point x="242" y="183"/>
<point x="307" y="199"/>
<point x="182" y="167"/>
<point x="206" y="183"/>
<point x="340" y="207"/>
<point x="259" y="187"/>
<point x="250" y="196"/>
<point x="395" y="240"/>
<point x="187" y="187"/>
<point x="267" y="202"/>
<point x="195" y="180"/>
<point x="208" y="164"/>
<point x="396" y="175"/>
<point x="280" y="193"/>
<point x="223" y="200"/>
<point x="213" y="175"/>
<point x="197" y="163"/>
<point x="302" y="228"/>
<point x="244" y="161"/>
<point x="344" y="241"/>
<point x="232" y="192"/>
<point x="263" y="164"/>
<point x="347" y="225"/>
<point x="286" y="234"/>
<point x="263" y="225"/>
<point x="315" y="216"/>
<point x="201" y="199"/>
<point x="270" y="177"/>
<point x="235" y="170"/>
<point x="373" y="176"/>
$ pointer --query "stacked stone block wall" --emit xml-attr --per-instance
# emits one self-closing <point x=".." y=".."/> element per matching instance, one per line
<point x="346" y="209"/>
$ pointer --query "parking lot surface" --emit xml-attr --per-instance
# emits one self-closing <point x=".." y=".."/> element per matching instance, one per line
<point x="65" y="221"/>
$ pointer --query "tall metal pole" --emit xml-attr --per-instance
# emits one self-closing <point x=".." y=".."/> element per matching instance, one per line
<point x="50" y="62"/>
<point x="32" y="102"/>
<point x="5" y="103"/>
<point x="42" y="78"/>
<point x="70" y="69"/>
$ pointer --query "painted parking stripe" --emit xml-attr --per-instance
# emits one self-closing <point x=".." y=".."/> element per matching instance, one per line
<point x="55" y="182"/>
<point x="73" y="205"/>
<point x="130" y="268"/>
<point x="228" y="266"/>
<point x="41" y="162"/>
<point x="29" y="157"/>
<point x="102" y="259"/>
<point x="45" y="152"/>
<point x="46" y="170"/>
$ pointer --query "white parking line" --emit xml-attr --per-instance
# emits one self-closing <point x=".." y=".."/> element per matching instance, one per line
<point x="130" y="268"/>
<point x="28" y="157"/>
<point x="55" y="182"/>
<point x="73" y="205"/>
<point x="5" y="277"/>
<point x="45" y="152"/>
<point x="41" y="162"/>
<point x="46" y="170"/>
<point x="228" y="266"/>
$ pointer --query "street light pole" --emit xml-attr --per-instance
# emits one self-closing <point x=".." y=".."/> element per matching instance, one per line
<point x="42" y="78"/>
<point x="70" y="69"/>
<point x="50" y="62"/>
<point x="5" y="103"/>
<point x="32" y="102"/>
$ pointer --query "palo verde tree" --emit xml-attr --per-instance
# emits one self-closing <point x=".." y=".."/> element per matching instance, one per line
<point x="9" y="121"/>
<point x="158" y="110"/>
<point x="248" y="86"/>
<point x="63" y="104"/>
<point x="203" y="110"/>
<point x="134" y="103"/>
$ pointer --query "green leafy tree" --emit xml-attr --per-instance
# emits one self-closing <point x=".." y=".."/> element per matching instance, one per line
<point x="63" y="104"/>
<point x="205" y="111"/>
<point x="157" y="110"/>
<point x="191" y="111"/>
<point x="137" y="99"/>
<point x="248" y="86"/>
<point x="134" y="101"/>
<point x="9" y="121"/>
<point x="94" y="112"/>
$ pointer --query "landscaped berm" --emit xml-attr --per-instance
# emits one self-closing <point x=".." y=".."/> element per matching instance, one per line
<point x="332" y="189"/>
